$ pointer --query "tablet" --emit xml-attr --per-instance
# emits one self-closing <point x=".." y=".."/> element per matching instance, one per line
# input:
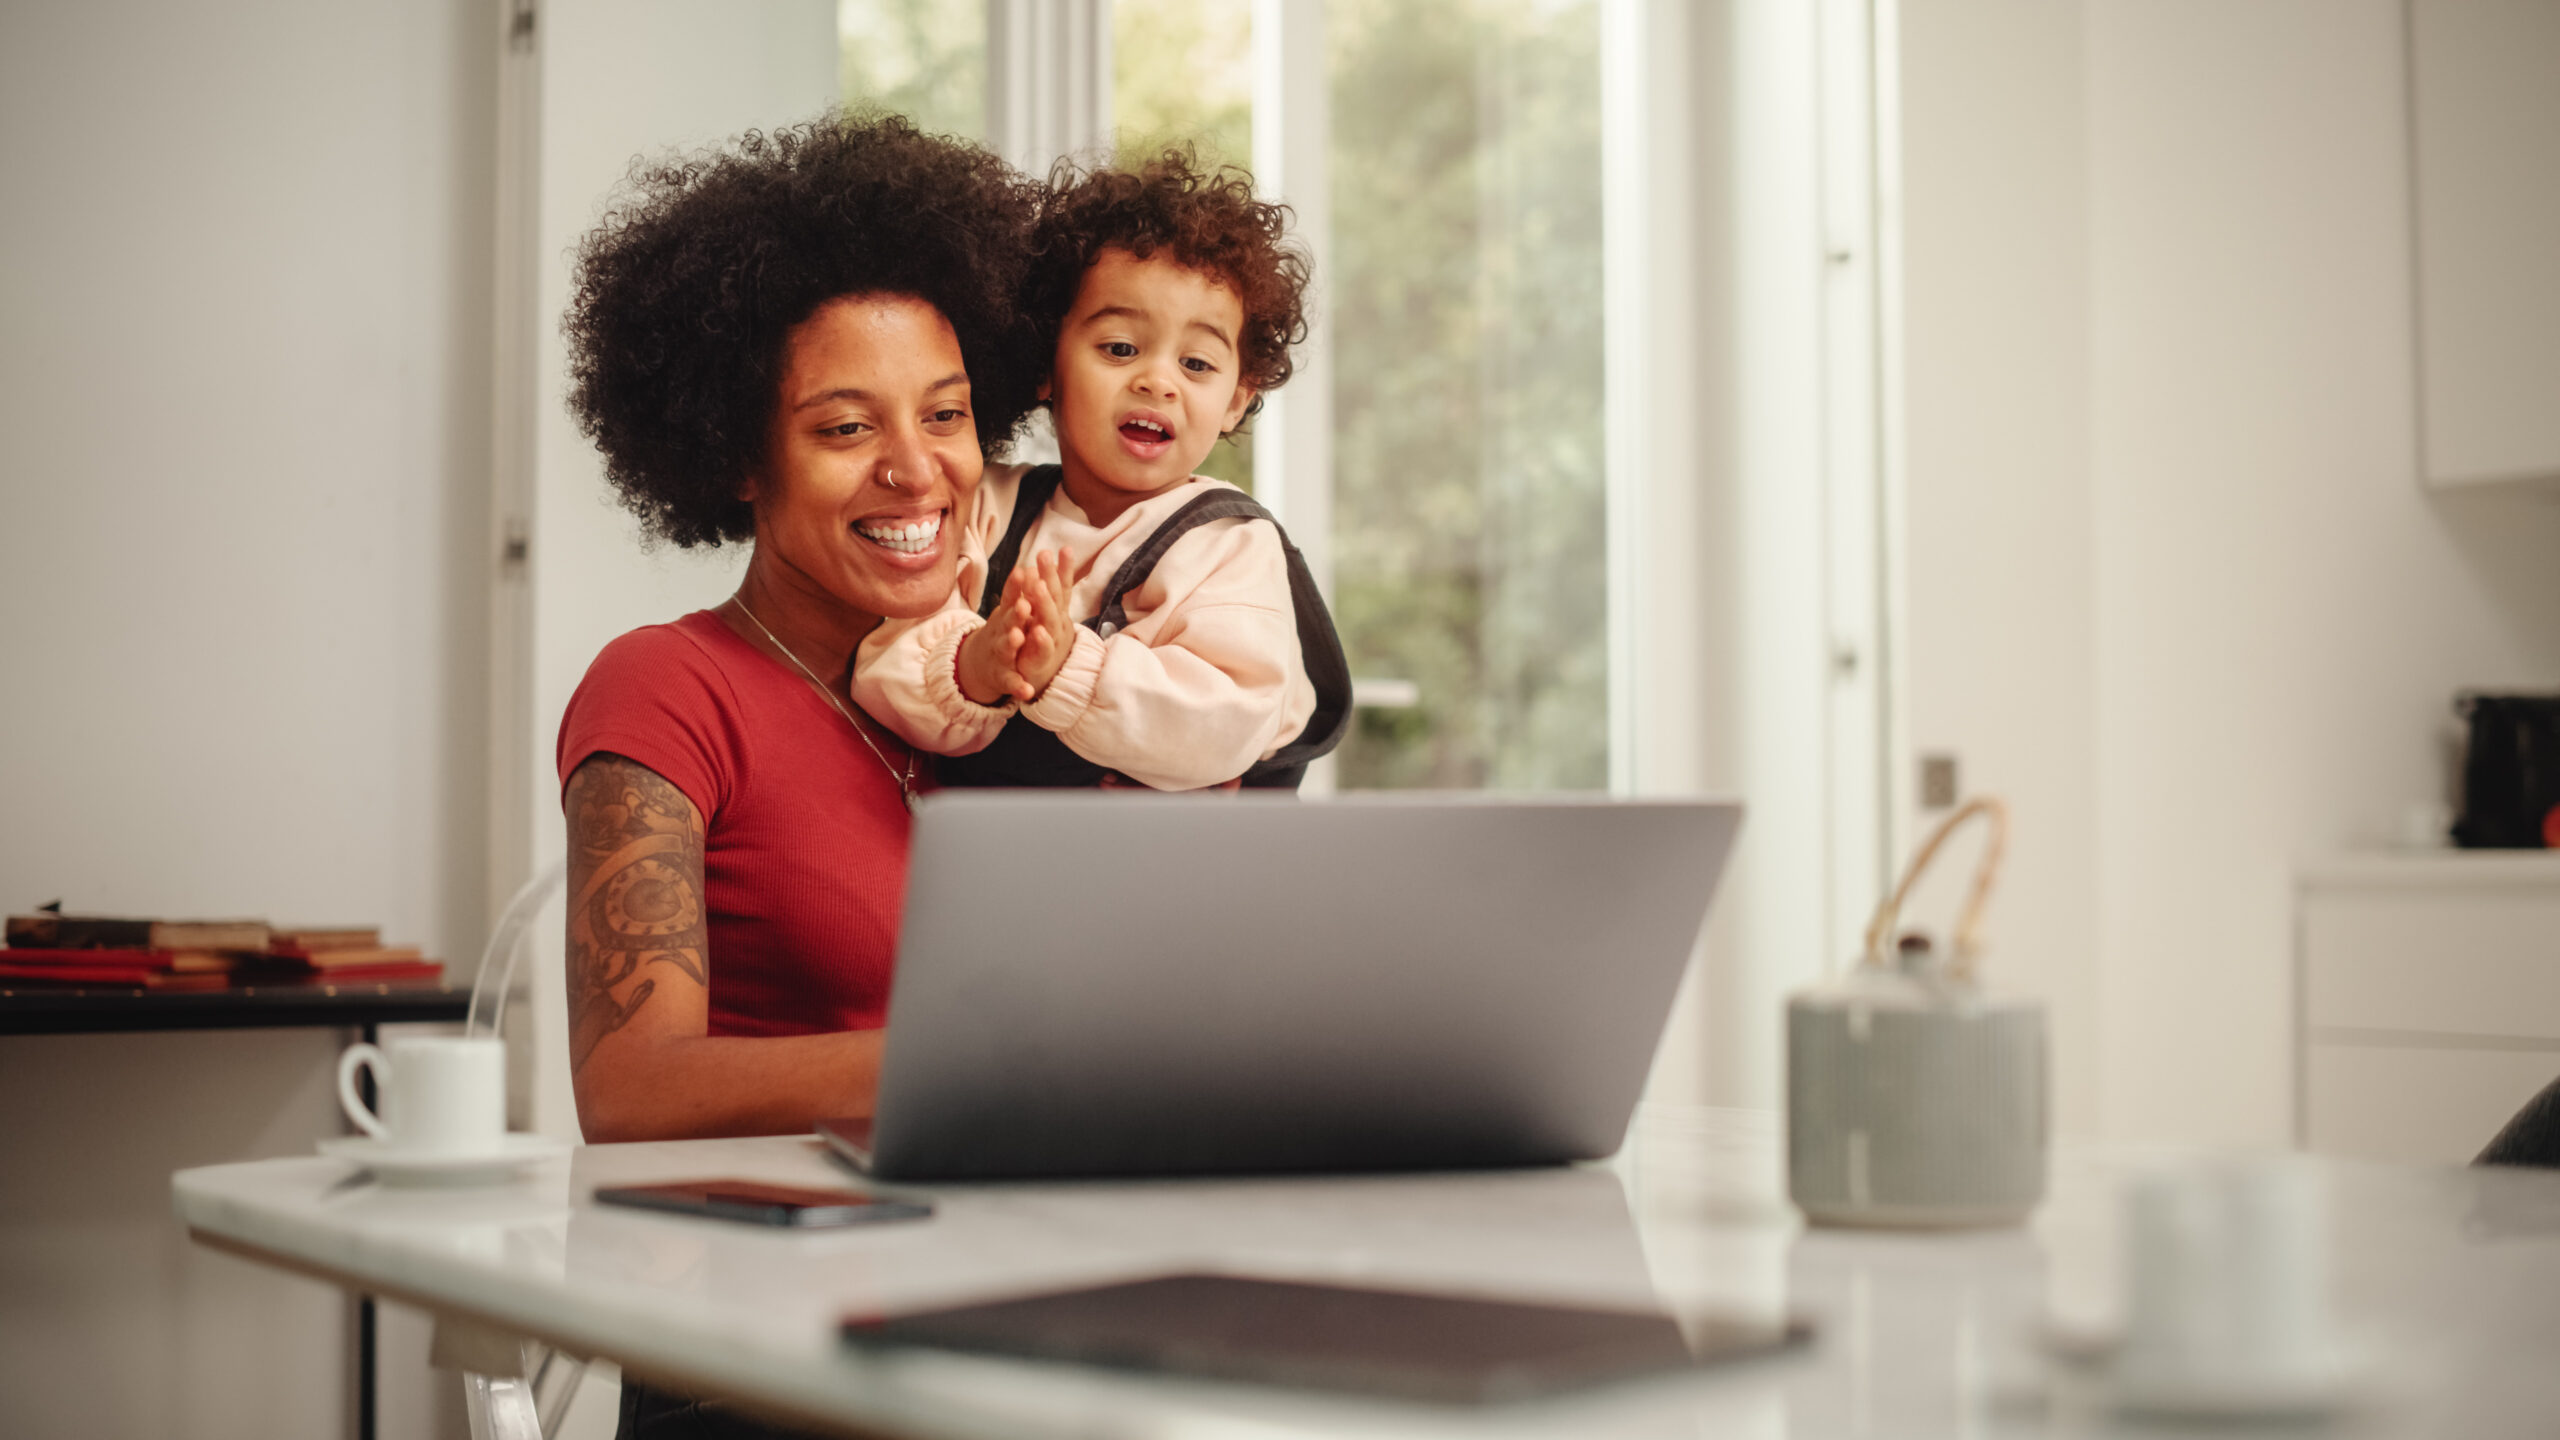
<point x="1400" y="1344"/>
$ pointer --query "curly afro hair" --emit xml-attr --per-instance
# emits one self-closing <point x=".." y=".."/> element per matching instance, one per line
<point x="687" y="293"/>
<point x="1207" y="220"/>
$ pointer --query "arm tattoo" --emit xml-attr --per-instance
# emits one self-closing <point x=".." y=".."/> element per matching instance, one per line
<point x="635" y="862"/>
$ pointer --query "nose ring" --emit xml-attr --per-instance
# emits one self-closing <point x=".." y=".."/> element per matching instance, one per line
<point x="888" y="477"/>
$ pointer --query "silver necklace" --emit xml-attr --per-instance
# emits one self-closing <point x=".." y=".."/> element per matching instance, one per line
<point x="906" y="781"/>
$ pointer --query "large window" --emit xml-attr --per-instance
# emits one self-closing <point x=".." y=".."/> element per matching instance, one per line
<point x="1460" y="282"/>
<point x="926" y="59"/>
<point x="1182" y="74"/>
<point x="1468" y="501"/>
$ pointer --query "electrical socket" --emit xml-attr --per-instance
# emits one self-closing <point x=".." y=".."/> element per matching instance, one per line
<point x="1938" y="782"/>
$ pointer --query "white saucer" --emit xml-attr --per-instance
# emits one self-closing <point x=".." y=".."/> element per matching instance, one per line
<point x="2310" y="1392"/>
<point x="2327" y="1385"/>
<point x="395" y="1165"/>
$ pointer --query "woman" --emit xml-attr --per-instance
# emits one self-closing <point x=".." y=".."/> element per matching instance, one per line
<point x="806" y="341"/>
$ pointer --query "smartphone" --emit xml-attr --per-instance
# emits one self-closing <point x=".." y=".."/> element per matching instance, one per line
<point x="757" y="1203"/>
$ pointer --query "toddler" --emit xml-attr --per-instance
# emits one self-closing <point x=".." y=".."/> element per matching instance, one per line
<point x="1116" y="614"/>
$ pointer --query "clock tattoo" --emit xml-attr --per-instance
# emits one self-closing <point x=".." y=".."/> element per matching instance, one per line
<point x="636" y="910"/>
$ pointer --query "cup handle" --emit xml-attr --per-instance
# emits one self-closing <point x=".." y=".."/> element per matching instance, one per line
<point x="356" y="1056"/>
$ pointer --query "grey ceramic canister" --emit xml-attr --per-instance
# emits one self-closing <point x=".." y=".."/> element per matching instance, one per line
<point x="1914" y="1098"/>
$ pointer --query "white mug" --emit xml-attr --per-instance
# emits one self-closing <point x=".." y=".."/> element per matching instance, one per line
<point x="2226" y="1277"/>
<point x="443" y="1093"/>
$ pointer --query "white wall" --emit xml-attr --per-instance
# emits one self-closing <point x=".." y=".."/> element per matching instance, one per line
<point x="2000" y="538"/>
<point x="243" y="406"/>
<point x="241" y="389"/>
<point x="2182" y="233"/>
<point x="2282" y="613"/>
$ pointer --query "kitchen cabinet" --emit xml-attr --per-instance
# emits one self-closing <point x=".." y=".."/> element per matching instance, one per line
<point x="2484" y="80"/>
<point x="2427" y="1002"/>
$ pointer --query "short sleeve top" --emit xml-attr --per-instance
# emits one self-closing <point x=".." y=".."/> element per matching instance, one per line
<point x="806" y="833"/>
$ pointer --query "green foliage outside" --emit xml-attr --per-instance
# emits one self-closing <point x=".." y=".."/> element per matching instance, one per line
<point x="1182" y="74"/>
<point x="1465" y="300"/>
<point x="925" y="59"/>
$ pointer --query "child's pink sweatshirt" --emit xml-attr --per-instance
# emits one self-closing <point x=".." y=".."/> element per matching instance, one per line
<point x="1205" y="679"/>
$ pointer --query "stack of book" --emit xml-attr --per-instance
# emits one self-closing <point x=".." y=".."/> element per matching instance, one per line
<point x="79" y="950"/>
<point x="345" y="955"/>
<point x="50" y="949"/>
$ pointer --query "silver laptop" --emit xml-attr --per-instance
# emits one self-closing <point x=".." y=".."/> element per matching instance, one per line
<point x="1098" y="984"/>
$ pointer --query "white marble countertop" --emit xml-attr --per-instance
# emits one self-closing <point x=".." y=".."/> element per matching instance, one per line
<point x="2450" y="1279"/>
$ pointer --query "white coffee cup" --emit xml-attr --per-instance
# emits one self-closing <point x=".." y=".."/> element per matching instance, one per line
<point x="2226" y="1280"/>
<point x="440" y="1093"/>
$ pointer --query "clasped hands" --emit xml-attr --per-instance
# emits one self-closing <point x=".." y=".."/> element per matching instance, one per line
<point x="1025" y="643"/>
<point x="1026" y="639"/>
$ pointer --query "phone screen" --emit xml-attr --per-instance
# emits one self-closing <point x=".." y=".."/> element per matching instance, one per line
<point x="757" y="1203"/>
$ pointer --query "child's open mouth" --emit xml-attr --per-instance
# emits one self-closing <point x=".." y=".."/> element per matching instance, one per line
<point x="1146" y="436"/>
<point x="907" y="537"/>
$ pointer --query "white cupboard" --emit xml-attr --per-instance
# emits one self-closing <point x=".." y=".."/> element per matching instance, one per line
<point x="2427" y="1003"/>
<point x="2484" y="79"/>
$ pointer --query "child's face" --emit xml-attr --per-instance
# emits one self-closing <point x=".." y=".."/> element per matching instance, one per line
<point x="1145" y="377"/>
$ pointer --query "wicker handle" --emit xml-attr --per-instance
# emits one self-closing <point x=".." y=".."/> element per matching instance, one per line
<point x="1880" y="930"/>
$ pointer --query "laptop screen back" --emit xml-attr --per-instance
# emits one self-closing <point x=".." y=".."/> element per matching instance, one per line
<point x="1101" y="984"/>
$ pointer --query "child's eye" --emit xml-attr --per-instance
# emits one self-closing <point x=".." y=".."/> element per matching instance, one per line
<point x="1119" y="349"/>
<point x="949" y="414"/>
<point x="1199" y="366"/>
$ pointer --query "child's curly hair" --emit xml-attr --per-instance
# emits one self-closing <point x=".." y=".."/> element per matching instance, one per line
<point x="1208" y="220"/>
<point x="686" y="295"/>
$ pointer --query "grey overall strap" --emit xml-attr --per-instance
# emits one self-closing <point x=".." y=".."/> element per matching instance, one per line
<point x="1029" y="499"/>
<point x="1220" y="504"/>
<point x="1319" y="646"/>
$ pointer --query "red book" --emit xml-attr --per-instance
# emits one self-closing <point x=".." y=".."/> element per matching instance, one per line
<point x="346" y="958"/>
<point x="127" y="959"/>
<point x="76" y="976"/>
<point x="393" y="972"/>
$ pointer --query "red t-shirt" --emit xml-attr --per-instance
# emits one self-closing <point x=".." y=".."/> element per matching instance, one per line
<point x="805" y="855"/>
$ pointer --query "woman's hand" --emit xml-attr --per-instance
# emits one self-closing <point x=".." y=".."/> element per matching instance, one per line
<point x="1027" y="638"/>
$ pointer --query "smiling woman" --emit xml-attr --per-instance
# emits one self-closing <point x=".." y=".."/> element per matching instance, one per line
<point x="872" y="445"/>
<point x="806" y="341"/>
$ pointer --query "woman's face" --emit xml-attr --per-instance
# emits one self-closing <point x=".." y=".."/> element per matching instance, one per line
<point x="873" y="447"/>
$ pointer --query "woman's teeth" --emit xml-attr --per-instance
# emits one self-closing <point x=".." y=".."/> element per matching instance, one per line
<point x="912" y="538"/>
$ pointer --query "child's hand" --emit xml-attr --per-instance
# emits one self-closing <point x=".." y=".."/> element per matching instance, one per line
<point x="1025" y="641"/>
<point x="985" y="669"/>
<point x="1048" y="634"/>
